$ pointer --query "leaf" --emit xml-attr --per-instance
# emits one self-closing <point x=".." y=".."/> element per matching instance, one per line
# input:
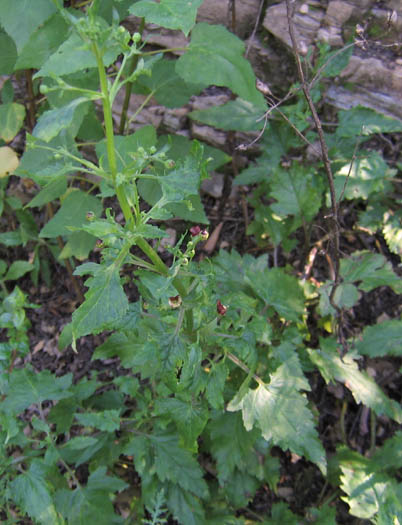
<point x="365" y="121"/>
<point x="214" y="57"/>
<point x="51" y="122"/>
<point x="372" y="269"/>
<point x="8" y="54"/>
<point x="105" y="301"/>
<point x="279" y="403"/>
<point x="8" y="161"/>
<point x="78" y="245"/>
<point x="54" y="189"/>
<point x="174" y="463"/>
<point x="296" y="191"/>
<point x="238" y="115"/>
<point x="173" y="14"/>
<point x="73" y="55"/>
<point x="42" y="43"/>
<point x="216" y="380"/>
<point x="362" y="386"/>
<point x="30" y="491"/>
<point x="72" y="213"/>
<point x="231" y="445"/>
<point x="185" y="507"/>
<point x="17" y="270"/>
<point x="168" y="87"/>
<point x="107" y="420"/>
<point x="190" y="416"/>
<point x="381" y="339"/>
<point x="20" y="27"/>
<point x="279" y="290"/>
<point x="367" y="175"/>
<point x="27" y="387"/>
<point x="92" y="503"/>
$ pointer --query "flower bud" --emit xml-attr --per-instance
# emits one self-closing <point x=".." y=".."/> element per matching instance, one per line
<point x="99" y="244"/>
<point x="195" y="230"/>
<point x="204" y="235"/>
<point x="175" y="301"/>
<point x="136" y="38"/>
<point x="90" y="216"/>
<point x="221" y="308"/>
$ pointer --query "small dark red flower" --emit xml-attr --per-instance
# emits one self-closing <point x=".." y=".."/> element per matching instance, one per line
<point x="195" y="230"/>
<point x="221" y="308"/>
<point x="175" y="301"/>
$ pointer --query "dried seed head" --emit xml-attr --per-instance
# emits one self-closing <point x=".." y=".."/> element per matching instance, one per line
<point x="221" y="308"/>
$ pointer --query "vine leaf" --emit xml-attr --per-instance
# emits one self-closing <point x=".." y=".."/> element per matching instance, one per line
<point x="381" y="339"/>
<point x="214" y="56"/>
<point x="173" y="14"/>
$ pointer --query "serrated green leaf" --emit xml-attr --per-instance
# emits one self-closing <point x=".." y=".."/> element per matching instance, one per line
<point x="20" y="27"/>
<point x="31" y="492"/>
<point x="231" y="445"/>
<point x="190" y="416"/>
<point x="238" y="115"/>
<point x="297" y="192"/>
<point x="280" y="513"/>
<point x="362" y="386"/>
<point x="52" y="122"/>
<point x="174" y="463"/>
<point x="381" y="339"/>
<point x="365" y="121"/>
<point x="389" y="456"/>
<point x="12" y="117"/>
<point x="17" y="270"/>
<point x="294" y="426"/>
<point x="215" y="385"/>
<point x="367" y="175"/>
<point x="107" y="420"/>
<point x="105" y="302"/>
<point x="54" y="189"/>
<point x="43" y="43"/>
<point x="279" y="290"/>
<point x="71" y="213"/>
<point x="372" y="269"/>
<point x="215" y="57"/>
<point x="78" y="245"/>
<point x="27" y="387"/>
<point x="173" y="14"/>
<point x="185" y="507"/>
<point x="8" y="54"/>
<point x="91" y="503"/>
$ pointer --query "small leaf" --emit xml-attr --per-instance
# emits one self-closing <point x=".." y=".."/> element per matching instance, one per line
<point x="8" y="55"/>
<point x="17" y="270"/>
<point x="107" y="420"/>
<point x="52" y="122"/>
<point x="365" y="121"/>
<point x="54" y="189"/>
<point x="8" y="161"/>
<point x="105" y="302"/>
<point x="173" y="14"/>
<point x="215" y="57"/>
<point x="381" y="339"/>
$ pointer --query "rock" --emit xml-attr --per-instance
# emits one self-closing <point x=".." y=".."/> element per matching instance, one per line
<point x="214" y="185"/>
<point x="209" y="135"/>
<point x="218" y="12"/>
<point x="175" y="119"/>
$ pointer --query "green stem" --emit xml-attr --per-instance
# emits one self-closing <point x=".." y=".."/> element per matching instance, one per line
<point x="129" y="85"/>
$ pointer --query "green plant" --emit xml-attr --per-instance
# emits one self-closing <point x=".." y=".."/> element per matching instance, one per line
<point x="214" y="354"/>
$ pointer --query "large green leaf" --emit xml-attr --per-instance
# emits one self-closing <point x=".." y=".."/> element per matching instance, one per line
<point x="214" y="57"/>
<point x="168" y="87"/>
<point x="293" y="425"/>
<point x="362" y="386"/>
<point x="54" y="189"/>
<point x="27" y="387"/>
<point x="71" y="213"/>
<point x="105" y="301"/>
<point x="185" y="507"/>
<point x="381" y="339"/>
<point x="173" y="14"/>
<point x="21" y="19"/>
<point x="279" y="290"/>
<point x="31" y="492"/>
<point x="297" y="192"/>
<point x="107" y="420"/>
<point x="55" y="120"/>
<point x="12" y="117"/>
<point x="17" y="270"/>
<point x="43" y="43"/>
<point x="238" y="115"/>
